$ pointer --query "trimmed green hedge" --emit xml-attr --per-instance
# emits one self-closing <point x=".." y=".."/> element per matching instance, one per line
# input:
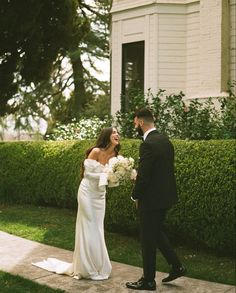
<point x="206" y="180"/>
<point x="48" y="173"/>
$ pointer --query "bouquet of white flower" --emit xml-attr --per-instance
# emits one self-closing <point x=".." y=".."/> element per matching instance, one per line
<point x="119" y="170"/>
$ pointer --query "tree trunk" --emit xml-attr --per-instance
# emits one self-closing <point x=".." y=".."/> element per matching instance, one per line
<point x="79" y="96"/>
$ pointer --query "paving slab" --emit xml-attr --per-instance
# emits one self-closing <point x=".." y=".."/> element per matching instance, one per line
<point x="17" y="254"/>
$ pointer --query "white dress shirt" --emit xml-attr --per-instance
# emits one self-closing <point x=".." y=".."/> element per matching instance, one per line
<point x="147" y="132"/>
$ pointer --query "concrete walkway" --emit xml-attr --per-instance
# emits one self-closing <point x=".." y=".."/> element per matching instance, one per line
<point x="16" y="255"/>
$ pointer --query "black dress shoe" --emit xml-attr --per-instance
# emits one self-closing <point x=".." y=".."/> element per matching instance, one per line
<point x="142" y="284"/>
<point x="175" y="273"/>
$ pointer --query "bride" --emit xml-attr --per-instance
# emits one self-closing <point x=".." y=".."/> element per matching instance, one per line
<point x="90" y="258"/>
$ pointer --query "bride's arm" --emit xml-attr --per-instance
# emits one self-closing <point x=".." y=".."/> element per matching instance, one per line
<point x="102" y="177"/>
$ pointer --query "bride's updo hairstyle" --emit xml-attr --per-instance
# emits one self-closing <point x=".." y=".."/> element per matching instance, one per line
<point x="103" y="142"/>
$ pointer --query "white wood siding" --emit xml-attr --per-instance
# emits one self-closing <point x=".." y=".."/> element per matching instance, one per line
<point x="192" y="62"/>
<point x="116" y="70"/>
<point x="232" y="8"/>
<point x="171" y="52"/>
<point x="190" y="45"/>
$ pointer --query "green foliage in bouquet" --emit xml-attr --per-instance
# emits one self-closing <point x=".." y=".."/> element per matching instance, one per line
<point x="48" y="173"/>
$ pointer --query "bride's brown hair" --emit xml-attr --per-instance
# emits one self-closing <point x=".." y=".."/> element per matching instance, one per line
<point x="103" y="142"/>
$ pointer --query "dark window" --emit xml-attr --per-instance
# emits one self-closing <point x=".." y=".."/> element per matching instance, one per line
<point x="132" y="67"/>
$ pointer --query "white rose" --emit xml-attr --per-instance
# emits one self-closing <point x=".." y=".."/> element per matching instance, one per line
<point x="112" y="177"/>
<point x="113" y="161"/>
<point x="119" y="157"/>
<point x="133" y="174"/>
<point x="131" y="160"/>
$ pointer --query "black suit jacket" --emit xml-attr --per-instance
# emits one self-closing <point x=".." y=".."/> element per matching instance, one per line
<point x="155" y="185"/>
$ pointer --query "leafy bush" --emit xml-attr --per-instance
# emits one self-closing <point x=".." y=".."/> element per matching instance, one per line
<point x="173" y="116"/>
<point x="206" y="180"/>
<point x="125" y="116"/>
<point x="179" y="119"/>
<point x="85" y="128"/>
<point x="48" y="173"/>
<point x="45" y="173"/>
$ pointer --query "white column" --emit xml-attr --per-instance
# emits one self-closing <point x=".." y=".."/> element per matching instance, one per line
<point x="214" y="47"/>
<point x="151" y="46"/>
<point x="116" y="66"/>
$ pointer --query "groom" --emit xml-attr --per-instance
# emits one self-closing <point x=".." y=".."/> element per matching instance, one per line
<point x="154" y="193"/>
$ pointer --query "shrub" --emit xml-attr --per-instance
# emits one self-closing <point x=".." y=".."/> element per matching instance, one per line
<point x="179" y="119"/>
<point x="174" y="117"/>
<point x="48" y="173"/>
<point x="41" y="173"/>
<point x="206" y="178"/>
<point x="85" y="128"/>
<point x="125" y="116"/>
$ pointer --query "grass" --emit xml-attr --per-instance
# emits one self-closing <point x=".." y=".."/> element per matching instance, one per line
<point x="56" y="227"/>
<point x="16" y="284"/>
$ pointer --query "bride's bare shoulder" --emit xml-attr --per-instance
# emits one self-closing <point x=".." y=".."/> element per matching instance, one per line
<point x="96" y="150"/>
<point x="94" y="154"/>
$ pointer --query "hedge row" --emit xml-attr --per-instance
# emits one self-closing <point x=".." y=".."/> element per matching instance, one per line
<point x="48" y="173"/>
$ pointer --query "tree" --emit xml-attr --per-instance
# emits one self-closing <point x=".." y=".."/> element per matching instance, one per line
<point x="32" y="34"/>
<point x="95" y="45"/>
<point x="35" y="43"/>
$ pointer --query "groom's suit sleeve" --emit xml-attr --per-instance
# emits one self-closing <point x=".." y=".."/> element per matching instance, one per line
<point x="144" y="171"/>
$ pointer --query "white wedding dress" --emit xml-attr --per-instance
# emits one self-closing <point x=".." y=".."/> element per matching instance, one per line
<point x="90" y="258"/>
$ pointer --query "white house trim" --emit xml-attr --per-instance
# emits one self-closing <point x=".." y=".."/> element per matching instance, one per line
<point x="189" y="45"/>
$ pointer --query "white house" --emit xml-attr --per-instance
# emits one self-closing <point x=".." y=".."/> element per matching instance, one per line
<point x="176" y="45"/>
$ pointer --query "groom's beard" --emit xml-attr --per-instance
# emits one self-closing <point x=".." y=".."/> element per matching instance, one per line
<point x="139" y="131"/>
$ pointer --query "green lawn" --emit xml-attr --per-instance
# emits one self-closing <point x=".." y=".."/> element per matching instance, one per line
<point x="17" y="284"/>
<point x="56" y="227"/>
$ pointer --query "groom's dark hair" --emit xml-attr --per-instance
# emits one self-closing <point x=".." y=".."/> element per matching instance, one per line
<point x="145" y="114"/>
